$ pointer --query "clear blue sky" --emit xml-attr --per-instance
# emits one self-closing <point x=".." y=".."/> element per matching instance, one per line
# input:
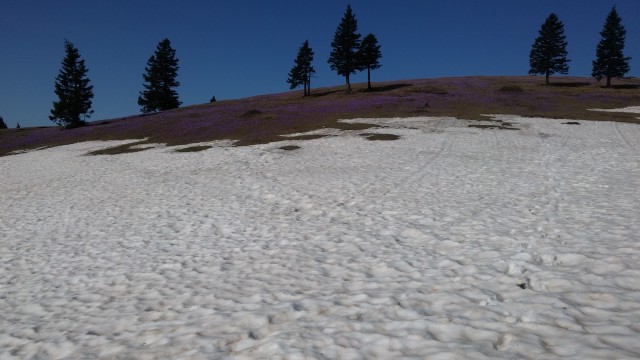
<point x="240" y="48"/>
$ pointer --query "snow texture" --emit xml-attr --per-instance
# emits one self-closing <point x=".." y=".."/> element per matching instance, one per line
<point x="628" y="109"/>
<point x="451" y="242"/>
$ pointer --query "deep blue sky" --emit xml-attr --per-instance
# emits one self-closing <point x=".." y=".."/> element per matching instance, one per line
<point x="240" y="48"/>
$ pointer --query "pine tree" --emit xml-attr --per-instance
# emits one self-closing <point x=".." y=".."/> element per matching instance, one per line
<point x="549" y="51"/>
<point x="160" y="80"/>
<point x="73" y="91"/>
<point x="610" y="61"/>
<point x="3" y="125"/>
<point x="369" y="56"/>
<point x="346" y="42"/>
<point x="302" y="69"/>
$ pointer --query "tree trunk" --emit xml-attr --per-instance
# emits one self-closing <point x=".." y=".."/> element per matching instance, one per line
<point x="309" y="85"/>
<point x="348" y="84"/>
<point x="368" y="78"/>
<point x="547" y="77"/>
<point x="608" y="81"/>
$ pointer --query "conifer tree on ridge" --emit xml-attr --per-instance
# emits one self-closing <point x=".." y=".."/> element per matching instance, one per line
<point x="73" y="91"/>
<point x="302" y="70"/>
<point x="610" y="61"/>
<point x="3" y="125"/>
<point x="346" y="42"/>
<point x="369" y="56"/>
<point x="549" y="51"/>
<point x="160" y="80"/>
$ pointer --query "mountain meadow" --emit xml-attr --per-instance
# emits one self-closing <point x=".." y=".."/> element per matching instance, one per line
<point x="265" y="118"/>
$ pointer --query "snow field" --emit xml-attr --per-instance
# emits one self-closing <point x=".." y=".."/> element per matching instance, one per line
<point x="451" y="242"/>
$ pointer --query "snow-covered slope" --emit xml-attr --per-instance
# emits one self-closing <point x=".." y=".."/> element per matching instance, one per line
<point x="451" y="242"/>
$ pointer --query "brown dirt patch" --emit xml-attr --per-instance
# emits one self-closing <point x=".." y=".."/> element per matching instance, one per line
<point x="380" y="137"/>
<point x="194" y="148"/>
<point x="290" y="147"/>
<point x="122" y="149"/>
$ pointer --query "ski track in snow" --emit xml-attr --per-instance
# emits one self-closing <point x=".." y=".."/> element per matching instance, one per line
<point x="343" y="249"/>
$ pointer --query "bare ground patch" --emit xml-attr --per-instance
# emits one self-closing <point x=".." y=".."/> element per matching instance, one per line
<point x="194" y="148"/>
<point x="289" y="147"/>
<point x="123" y="149"/>
<point x="380" y="137"/>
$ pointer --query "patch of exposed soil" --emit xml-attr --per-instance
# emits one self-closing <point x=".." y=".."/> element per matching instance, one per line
<point x="380" y="137"/>
<point x="122" y="149"/>
<point x="194" y="148"/>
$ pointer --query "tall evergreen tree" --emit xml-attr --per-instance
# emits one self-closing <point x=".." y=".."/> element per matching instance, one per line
<point x="346" y="42"/>
<point x="610" y="61"/>
<point x="369" y="56"/>
<point x="3" y="125"/>
<point x="302" y="69"/>
<point x="549" y="51"/>
<point x="73" y="91"/>
<point x="160" y="80"/>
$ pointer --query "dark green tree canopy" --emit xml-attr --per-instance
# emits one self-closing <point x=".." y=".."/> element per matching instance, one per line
<point x="302" y="69"/>
<point x="73" y="91"/>
<point x="369" y="56"/>
<point x="346" y="42"/>
<point x="3" y="125"/>
<point x="160" y="80"/>
<point x="610" y="61"/>
<point x="549" y="51"/>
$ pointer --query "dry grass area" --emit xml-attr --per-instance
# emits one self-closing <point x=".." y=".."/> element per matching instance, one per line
<point x="264" y="118"/>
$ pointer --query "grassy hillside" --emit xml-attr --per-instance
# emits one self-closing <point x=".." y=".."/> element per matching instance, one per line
<point x="262" y="119"/>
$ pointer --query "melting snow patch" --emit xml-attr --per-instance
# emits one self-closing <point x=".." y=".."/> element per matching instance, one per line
<point x="628" y="109"/>
<point x="450" y="242"/>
